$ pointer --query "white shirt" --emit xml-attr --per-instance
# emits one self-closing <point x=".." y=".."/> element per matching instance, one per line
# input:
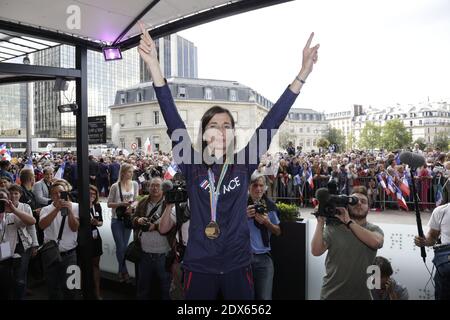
<point x="68" y="238"/>
<point x="440" y="220"/>
<point x="27" y="233"/>
<point x="8" y="232"/>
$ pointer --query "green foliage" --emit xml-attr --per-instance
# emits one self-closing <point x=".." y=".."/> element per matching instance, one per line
<point x="421" y="142"/>
<point x="370" y="136"/>
<point x="335" y="136"/>
<point x="323" y="143"/>
<point x="441" y="140"/>
<point x="288" y="212"/>
<point x="395" y="136"/>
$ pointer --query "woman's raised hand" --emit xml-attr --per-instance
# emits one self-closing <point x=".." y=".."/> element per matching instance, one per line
<point x="310" y="56"/>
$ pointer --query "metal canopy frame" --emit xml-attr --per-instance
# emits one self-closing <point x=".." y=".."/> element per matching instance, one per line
<point x="13" y="73"/>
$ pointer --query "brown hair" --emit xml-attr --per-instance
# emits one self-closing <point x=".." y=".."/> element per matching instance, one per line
<point x="360" y="189"/>
<point x="385" y="266"/>
<point x="15" y="188"/>
<point x="93" y="188"/>
<point x="26" y="175"/>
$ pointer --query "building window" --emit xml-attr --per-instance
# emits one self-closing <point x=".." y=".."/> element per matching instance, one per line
<point x="410" y="123"/>
<point x="233" y="96"/>
<point x="156" y="117"/>
<point x="123" y="98"/>
<point x="122" y="120"/>
<point x="122" y="143"/>
<point x="300" y="130"/>
<point x="420" y="122"/>
<point x="208" y="94"/>
<point x="139" y="142"/>
<point x="308" y="129"/>
<point x="138" y="119"/>
<point x="181" y="92"/>
<point x="308" y="142"/>
<point x="139" y="97"/>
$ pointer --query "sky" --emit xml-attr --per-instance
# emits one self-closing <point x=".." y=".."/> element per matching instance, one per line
<point x="372" y="52"/>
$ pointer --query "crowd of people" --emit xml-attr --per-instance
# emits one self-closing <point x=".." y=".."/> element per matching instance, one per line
<point x="134" y="182"/>
<point x="296" y="176"/>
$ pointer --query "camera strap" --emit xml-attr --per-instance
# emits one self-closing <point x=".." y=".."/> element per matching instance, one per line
<point x="61" y="228"/>
<point x="152" y="213"/>
<point x="120" y="192"/>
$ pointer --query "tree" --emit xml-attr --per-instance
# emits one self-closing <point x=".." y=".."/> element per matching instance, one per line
<point x="395" y="136"/>
<point x="285" y="138"/>
<point x="421" y="142"/>
<point x="322" y="143"/>
<point x="351" y="141"/>
<point x="335" y="136"/>
<point x="441" y="140"/>
<point x="370" y="136"/>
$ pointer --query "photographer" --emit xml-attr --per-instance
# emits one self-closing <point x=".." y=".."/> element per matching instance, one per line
<point x="262" y="222"/>
<point x="11" y="220"/>
<point x="155" y="246"/>
<point x="51" y="219"/>
<point x="390" y="289"/>
<point x="26" y="246"/>
<point x="439" y="232"/>
<point x="352" y="245"/>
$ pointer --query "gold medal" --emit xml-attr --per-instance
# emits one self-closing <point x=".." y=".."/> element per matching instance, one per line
<point x="212" y="230"/>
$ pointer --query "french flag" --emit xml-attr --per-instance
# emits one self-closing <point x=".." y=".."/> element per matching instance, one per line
<point x="60" y="173"/>
<point x="205" y="184"/>
<point x="391" y="185"/>
<point x="382" y="183"/>
<point x="171" y="171"/>
<point x="400" y="200"/>
<point x="29" y="164"/>
<point x="404" y="186"/>
<point x="310" y="179"/>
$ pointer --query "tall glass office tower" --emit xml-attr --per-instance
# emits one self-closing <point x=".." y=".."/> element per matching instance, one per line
<point x="177" y="57"/>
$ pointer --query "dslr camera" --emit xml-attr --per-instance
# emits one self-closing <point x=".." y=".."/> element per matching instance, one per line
<point x="260" y="208"/>
<point x="146" y="226"/>
<point x="329" y="200"/>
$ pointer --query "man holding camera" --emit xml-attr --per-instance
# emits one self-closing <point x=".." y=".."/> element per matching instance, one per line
<point x="262" y="222"/>
<point x="155" y="246"/>
<point x="352" y="245"/>
<point x="60" y="222"/>
<point x="11" y="220"/>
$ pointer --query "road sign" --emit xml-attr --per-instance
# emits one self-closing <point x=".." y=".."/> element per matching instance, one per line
<point x="134" y="146"/>
<point x="97" y="130"/>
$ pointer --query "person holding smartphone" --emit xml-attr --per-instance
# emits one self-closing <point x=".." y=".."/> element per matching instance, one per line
<point x="52" y="217"/>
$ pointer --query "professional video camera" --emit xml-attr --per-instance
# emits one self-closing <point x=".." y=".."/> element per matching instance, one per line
<point x="329" y="200"/>
<point x="177" y="193"/>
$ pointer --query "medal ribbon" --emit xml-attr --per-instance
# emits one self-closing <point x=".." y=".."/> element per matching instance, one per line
<point x="215" y="192"/>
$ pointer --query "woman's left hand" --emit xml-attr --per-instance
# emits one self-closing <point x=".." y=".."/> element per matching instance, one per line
<point x="310" y="57"/>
